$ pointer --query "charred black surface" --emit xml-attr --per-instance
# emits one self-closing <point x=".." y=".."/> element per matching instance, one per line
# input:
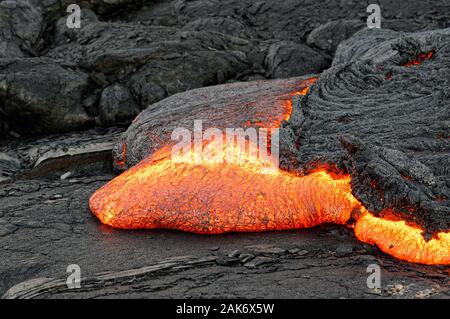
<point x="385" y="123"/>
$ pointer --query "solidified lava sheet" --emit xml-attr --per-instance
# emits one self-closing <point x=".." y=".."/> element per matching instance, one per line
<point x="98" y="96"/>
<point x="382" y="113"/>
<point x="379" y="114"/>
<point x="260" y="104"/>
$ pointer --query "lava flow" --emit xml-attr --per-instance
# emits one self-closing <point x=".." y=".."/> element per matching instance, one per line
<point x="403" y="241"/>
<point x="420" y="58"/>
<point x="217" y="196"/>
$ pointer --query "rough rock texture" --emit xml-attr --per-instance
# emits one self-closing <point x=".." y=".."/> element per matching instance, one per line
<point x="159" y="48"/>
<point x="328" y="36"/>
<point x="150" y="50"/>
<point x="42" y="96"/>
<point x="386" y="123"/>
<point x="286" y="59"/>
<point x="226" y="106"/>
<point x="31" y="157"/>
<point x="21" y="24"/>
<point x="117" y="105"/>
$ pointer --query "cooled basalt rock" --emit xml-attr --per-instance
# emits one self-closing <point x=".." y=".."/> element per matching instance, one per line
<point x="154" y="61"/>
<point x="159" y="48"/>
<point x="119" y="49"/>
<point x="370" y="115"/>
<point x="290" y="20"/>
<point x="328" y="36"/>
<point x="381" y="113"/>
<point x="21" y="23"/>
<point x="234" y="105"/>
<point x="287" y="59"/>
<point x="39" y="95"/>
<point x="54" y="155"/>
<point x="117" y="105"/>
<point x="159" y="61"/>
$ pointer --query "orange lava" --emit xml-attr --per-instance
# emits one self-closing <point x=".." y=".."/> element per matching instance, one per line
<point x="403" y="241"/>
<point x="215" y="196"/>
<point x="303" y="92"/>
<point x="420" y="58"/>
<point x="121" y="162"/>
<point x="287" y="115"/>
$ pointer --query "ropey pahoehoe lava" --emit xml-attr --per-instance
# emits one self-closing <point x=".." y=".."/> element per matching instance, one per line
<point x="360" y="149"/>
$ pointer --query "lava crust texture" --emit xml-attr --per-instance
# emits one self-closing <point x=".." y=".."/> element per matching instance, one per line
<point x="369" y="139"/>
<point x="381" y="113"/>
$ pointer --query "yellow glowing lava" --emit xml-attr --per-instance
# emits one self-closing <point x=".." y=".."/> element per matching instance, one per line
<point x="216" y="195"/>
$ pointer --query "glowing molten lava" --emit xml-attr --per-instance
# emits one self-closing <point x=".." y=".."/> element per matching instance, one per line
<point x="215" y="197"/>
<point x="420" y="58"/>
<point x="403" y="241"/>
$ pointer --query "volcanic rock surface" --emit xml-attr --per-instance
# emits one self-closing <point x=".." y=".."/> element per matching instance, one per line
<point x="259" y="104"/>
<point x="155" y="49"/>
<point x="382" y="114"/>
<point x="385" y="123"/>
<point x="139" y="52"/>
<point x="46" y="226"/>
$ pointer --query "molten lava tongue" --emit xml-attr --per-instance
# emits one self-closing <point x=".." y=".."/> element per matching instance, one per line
<point x="216" y="198"/>
<point x="403" y="241"/>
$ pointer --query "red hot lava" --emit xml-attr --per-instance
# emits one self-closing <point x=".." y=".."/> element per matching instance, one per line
<point x="215" y="197"/>
<point x="420" y="58"/>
